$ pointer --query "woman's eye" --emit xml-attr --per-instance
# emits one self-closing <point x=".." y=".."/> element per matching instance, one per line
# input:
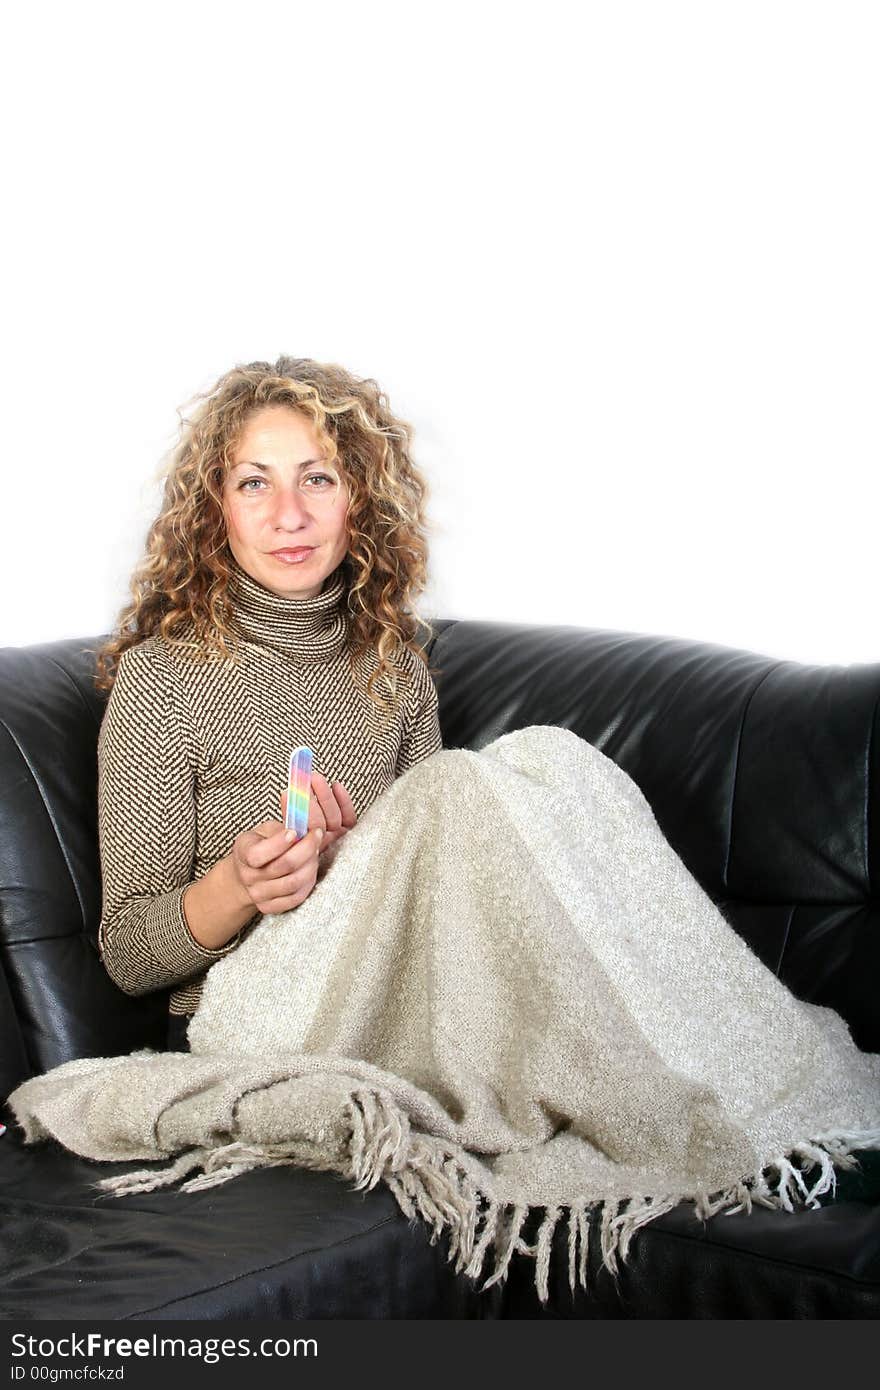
<point x="320" y="478"/>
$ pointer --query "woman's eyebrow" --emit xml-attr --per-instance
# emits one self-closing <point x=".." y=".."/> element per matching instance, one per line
<point x="267" y="467"/>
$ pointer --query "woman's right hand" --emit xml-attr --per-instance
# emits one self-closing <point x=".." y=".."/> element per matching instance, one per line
<point x="273" y="873"/>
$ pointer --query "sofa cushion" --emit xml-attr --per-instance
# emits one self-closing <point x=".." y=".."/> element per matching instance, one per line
<point x="279" y="1242"/>
<point x="810" y="1263"/>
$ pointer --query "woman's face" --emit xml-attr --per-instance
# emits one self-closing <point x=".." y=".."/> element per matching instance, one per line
<point x="278" y="496"/>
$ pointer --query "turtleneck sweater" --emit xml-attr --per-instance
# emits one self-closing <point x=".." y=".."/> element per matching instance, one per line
<point x="192" y="753"/>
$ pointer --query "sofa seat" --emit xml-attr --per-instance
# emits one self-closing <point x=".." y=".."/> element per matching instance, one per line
<point x="279" y="1243"/>
<point x="810" y="1263"/>
<point x="289" y="1243"/>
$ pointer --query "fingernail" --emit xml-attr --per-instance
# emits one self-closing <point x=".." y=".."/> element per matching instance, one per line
<point x="291" y="835"/>
<point x="320" y="835"/>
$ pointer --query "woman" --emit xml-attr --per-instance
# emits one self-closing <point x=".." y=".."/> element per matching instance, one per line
<point x="506" y="993"/>
<point x="292" y="532"/>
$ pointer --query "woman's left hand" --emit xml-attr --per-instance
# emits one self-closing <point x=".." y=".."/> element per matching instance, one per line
<point x="330" y="809"/>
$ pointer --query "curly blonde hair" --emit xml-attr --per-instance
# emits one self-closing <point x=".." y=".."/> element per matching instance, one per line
<point x="182" y="582"/>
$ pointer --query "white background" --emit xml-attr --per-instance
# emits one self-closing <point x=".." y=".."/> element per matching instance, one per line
<point x="617" y="263"/>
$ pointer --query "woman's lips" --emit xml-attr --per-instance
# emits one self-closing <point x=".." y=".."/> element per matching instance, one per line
<point x="293" y="557"/>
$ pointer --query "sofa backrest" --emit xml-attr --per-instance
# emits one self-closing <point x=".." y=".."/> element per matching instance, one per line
<point x="760" y="774"/>
<point x="64" y="1004"/>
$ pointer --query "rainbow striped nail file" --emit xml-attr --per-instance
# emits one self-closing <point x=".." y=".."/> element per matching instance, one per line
<point x="299" y="790"/>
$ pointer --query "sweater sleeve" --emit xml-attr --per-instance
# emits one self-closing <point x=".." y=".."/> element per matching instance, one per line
<point x="147" y="751"/>
<point x="421" y="733"/>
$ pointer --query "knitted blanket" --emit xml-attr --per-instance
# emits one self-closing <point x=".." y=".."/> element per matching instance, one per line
<point x="506" y="992"/>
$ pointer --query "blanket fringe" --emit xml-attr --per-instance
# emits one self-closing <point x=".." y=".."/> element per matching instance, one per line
<point x="507" y="1239"/>
<point x="148" y="1179"/>
<point x="429" y="1182"/>
<point x="543" y="1246"/>
<point x="424" y="1176"/>
<point x="491" y="1216"/>
<point x="218" y="1166"/>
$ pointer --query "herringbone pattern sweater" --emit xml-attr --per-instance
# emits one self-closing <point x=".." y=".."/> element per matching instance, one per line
<point x="190" y="755"/>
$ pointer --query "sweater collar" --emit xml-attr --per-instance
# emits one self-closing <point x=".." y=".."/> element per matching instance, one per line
<point x="309" y="629"/>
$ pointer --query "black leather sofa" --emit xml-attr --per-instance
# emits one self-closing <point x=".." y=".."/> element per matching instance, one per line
<point x="763" y="775"/>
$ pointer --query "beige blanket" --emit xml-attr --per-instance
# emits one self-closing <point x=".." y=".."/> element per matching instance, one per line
<point x="507" y="992"/>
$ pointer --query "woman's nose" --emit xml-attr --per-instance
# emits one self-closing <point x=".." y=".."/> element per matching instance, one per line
<point x="290" y="507"/>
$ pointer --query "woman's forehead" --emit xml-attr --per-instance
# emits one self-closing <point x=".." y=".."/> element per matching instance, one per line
<point x="276" y="424"/>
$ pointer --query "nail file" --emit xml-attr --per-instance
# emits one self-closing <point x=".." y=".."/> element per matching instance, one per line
<point x="299" y="790"/>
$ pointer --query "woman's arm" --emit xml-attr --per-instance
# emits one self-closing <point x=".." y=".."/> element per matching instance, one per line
<point x="215" y="907"/>
<point x="147" y="754"/>
<point x="421" y="733"/>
